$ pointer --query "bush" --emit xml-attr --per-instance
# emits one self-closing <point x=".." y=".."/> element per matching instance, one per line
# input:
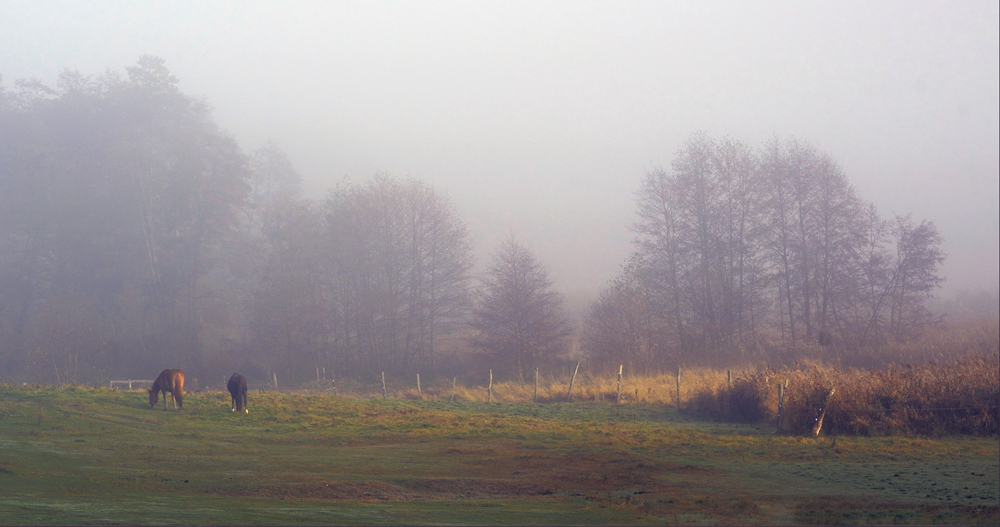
<point x="747" y="401"/>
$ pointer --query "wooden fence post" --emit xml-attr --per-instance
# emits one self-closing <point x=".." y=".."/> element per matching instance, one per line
<point x="569" y="394"/>
<point x="618" y="392"/>
<point x="384" y="394"/>
<point x="534" y="398"/>
<point x="418" y="385"/>
<point x="275" y="374"/>
<point x="453" y="381"/>
<point x="729" y="378"/>
<point x="489" y="389"/>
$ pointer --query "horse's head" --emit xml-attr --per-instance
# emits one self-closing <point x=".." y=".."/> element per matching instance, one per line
<point x="154" y="397"/>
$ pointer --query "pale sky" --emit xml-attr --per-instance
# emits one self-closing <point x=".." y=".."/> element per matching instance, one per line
<point x="542" y="117"/>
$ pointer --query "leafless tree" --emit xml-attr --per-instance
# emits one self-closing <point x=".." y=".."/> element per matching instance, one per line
<point x="622" y="327"/>
<point x="398" y="277"/>
<point x="915" y="277"/>
<point x="659" y="251"/>
<point x="517" y="315"/>
<point x="737" y="251"/>
<point x="289" y="310"/>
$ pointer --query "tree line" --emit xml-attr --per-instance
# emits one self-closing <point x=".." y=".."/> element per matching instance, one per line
<point x="741" y="252"/>
<point x="136" y="235"/>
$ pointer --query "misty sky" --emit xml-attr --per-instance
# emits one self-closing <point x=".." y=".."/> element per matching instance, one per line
<point x="542" y="118"/>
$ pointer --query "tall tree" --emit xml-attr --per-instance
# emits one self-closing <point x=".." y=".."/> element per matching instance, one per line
<point x="660" y="250"/>
<point x="399" y="271"/>
<point x="915" y="274"/>
<point x="622" y="327"/>
<point x="119" y="187"/>
<point x="738" y="251"/>
<point x="517" y="316"/>
<point x="289" y="309"/>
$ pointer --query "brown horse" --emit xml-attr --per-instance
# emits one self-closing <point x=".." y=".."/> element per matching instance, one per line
<point x="169" y="381"/>
<point x="237" y="387"/>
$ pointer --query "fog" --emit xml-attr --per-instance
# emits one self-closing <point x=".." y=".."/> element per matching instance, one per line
<point x="541" y="118"/>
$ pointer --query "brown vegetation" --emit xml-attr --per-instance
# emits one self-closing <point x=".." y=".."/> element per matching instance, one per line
<point x="956" y="391"/>
<point x="948" y="382"/>
<point x="961" y="397"/>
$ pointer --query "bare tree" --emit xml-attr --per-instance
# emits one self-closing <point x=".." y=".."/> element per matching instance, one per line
<point x="623" y="327"/>
<point x="289" y="310"/>
<point x="862" y="319"/>
<point x="915" y="277"/>
<point x="398" y="274"/>
<point x="660" y="250"/>
<point x="517" y="315"/>
<point x="699" y="232"/>
<point x="743" y="275"/>
<point x="737" y="251"/>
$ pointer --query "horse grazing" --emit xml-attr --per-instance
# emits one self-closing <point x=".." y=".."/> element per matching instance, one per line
<point x="169" y="381"/>
<point x="237" y="387"/>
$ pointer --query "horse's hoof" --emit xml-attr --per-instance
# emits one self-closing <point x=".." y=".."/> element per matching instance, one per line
<point x="247" y="411"/>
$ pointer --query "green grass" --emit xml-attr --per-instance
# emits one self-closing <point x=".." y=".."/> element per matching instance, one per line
<point x="77" y="455"/>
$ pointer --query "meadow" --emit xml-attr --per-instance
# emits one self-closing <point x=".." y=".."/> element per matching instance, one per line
<point x="83" y="455"/>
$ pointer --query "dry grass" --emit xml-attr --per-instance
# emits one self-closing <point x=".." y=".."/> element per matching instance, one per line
<point x="588" y="387"/>
<point x="954" y="390"/>
<point x="959" y="397"/>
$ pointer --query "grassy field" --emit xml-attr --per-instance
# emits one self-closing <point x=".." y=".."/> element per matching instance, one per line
<point x="77" y="455"/>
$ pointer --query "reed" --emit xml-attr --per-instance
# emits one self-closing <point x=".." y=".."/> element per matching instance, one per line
<point x="957" y="397"/>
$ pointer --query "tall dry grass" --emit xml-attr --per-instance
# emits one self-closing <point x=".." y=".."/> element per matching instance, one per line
<point x="960" y="397"/>
<point x="954" y="390"/>
<point x="588" y="387"/>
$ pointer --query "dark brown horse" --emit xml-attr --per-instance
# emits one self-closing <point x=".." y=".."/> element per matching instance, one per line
<point x="237" y="387"/>
<point x="169" y="381"/>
